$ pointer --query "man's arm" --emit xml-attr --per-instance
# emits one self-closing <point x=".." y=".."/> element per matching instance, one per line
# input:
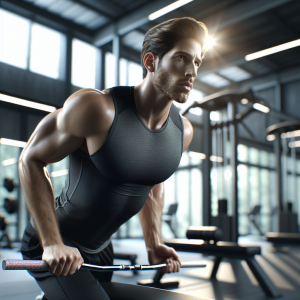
<point x="150" y="218"/>
<point x="57" y="135"/>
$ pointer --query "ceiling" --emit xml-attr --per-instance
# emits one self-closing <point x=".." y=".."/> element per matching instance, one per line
<point x="239" y="27"/>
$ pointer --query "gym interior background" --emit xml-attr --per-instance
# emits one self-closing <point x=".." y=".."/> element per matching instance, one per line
<point x="52" y="48"/>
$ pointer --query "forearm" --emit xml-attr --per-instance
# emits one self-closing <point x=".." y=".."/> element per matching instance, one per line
<point x="150" y="217"/>
<point x="39" y="197"/>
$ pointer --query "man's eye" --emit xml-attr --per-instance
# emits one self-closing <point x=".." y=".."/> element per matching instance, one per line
<point x="181" y="57"/>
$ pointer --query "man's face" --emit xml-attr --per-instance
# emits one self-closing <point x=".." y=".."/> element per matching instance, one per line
<point x="176" y="72"/>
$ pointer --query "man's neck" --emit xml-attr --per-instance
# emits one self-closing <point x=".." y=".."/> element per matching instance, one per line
<point x="152" y="105"/>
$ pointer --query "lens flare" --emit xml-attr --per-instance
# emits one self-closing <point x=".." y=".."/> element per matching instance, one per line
<point x="210" y="41"/>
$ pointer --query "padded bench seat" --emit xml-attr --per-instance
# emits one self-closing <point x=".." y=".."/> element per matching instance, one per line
<point x="283" y="238"/>
<point x="224" y="249"/>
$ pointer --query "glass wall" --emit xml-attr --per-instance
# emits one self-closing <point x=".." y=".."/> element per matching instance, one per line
<point x="14" y="39"/>
<point x="45" y="51"/>
<point x="9" y="156"/>
<point x="130" y="73"/>
<point x="33" y="46"/>
<point x="85" y="59"/>
<point x="256" y="181"/>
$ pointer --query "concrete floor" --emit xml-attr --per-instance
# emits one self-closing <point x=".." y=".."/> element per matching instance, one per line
<point x="234" y="278"/>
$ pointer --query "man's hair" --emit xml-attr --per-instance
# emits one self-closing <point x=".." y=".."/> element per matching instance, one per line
<point x="162" y="38"/>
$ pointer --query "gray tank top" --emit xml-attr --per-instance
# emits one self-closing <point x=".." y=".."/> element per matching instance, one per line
<point x="106" y="189"/>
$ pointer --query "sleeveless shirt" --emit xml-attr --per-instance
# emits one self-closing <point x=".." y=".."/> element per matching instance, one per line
<point x="107" y="188"/>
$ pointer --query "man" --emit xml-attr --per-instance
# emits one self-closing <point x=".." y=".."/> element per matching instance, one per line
<point x="123" y="143"/>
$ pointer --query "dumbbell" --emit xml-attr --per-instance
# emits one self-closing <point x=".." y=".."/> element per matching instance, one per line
<point x="4" y="223"/>
<point x="206" y="233"/>
<point x="10" y="205"/>
<point x="9" y="184"/>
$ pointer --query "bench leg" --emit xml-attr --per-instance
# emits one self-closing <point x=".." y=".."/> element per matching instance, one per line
<point x="216" y="267"/>
<point x="262" y="278"/>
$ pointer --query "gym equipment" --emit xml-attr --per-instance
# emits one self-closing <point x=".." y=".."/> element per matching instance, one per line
<point x="206" y="233"/>
<point x="131" y="257"/>
<point x="283" y="238"/>
<point x="224" y="101"/>
<point x="220" y="250"/>
<point x="252" y="214"/>
<point x="168" y="217"/>
<point x="222" y="220"/>
<point x="9" y="184"/>
<point x="41" y="265"/>
<point x="10" y="205"/>
<point x="4" y="223"/>
<point x="284" y="135"/>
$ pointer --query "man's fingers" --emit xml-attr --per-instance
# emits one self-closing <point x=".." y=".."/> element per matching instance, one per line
<point x="53" y="264"/>
<point x="61" y="265"/>
<point x="172" y="266"/>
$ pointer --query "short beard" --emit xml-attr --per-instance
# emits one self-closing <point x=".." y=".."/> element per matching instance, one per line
<point x="163" y="81"/>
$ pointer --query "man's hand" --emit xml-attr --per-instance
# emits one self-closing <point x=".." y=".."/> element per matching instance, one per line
<point x="62" y="260"/>
<point x="163" y="254"/>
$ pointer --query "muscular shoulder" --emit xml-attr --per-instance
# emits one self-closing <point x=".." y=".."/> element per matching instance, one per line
<point x="87" y="112"/>
<point x="188" y="132"/>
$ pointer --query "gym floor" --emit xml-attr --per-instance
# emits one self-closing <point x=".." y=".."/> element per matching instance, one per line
<point x="234" y="278"/>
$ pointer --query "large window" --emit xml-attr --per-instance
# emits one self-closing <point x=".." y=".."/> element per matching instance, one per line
<point x="256" y="181"/>
<point x="110" y="70"/>
<point x="84" y="61"/>
<point x="45" y="51"/>
<point x="130" y="72"/>
<point x="14" y="39"/>
<point x="28" y="45"/>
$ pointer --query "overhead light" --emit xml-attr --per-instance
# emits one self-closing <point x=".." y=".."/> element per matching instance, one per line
<point x="216" y="158"/>
<point x="8" y="162"/>
<point x="59" y="173"/>
<point x="26" y="103"/>
<point x="271" y="137"/>
<point x="167" y="9"/>
<point x="272" y="50"/>
<point x="15" y="143"/>
<point x="244" y="101"/>
<point x="261" y="107"/>
<point x="291" y="134"/>
<point x="197" y="155"/>
<point x="294" y="144"/>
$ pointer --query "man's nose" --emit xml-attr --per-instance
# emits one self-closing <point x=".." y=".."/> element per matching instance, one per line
<point x="191" y="70"/>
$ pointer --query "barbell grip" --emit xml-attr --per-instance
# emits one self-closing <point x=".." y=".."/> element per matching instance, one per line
<point x="41" y="265"/>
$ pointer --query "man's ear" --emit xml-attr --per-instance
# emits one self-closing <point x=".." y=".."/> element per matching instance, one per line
<point x="149" y="61"/>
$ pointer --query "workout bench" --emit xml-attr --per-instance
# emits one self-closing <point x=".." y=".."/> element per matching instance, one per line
<point x="226" y="250"/>
<point x="199" y="242"/>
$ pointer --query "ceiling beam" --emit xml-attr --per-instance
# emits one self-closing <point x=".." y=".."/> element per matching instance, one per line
<point x="106" y="7"/>
<point x="239" y="12"/>
<point x="94" y="6"/>
<point x="129" y="22"/>
<point x="271" y="79"/>
<point x="289" y="30"/>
